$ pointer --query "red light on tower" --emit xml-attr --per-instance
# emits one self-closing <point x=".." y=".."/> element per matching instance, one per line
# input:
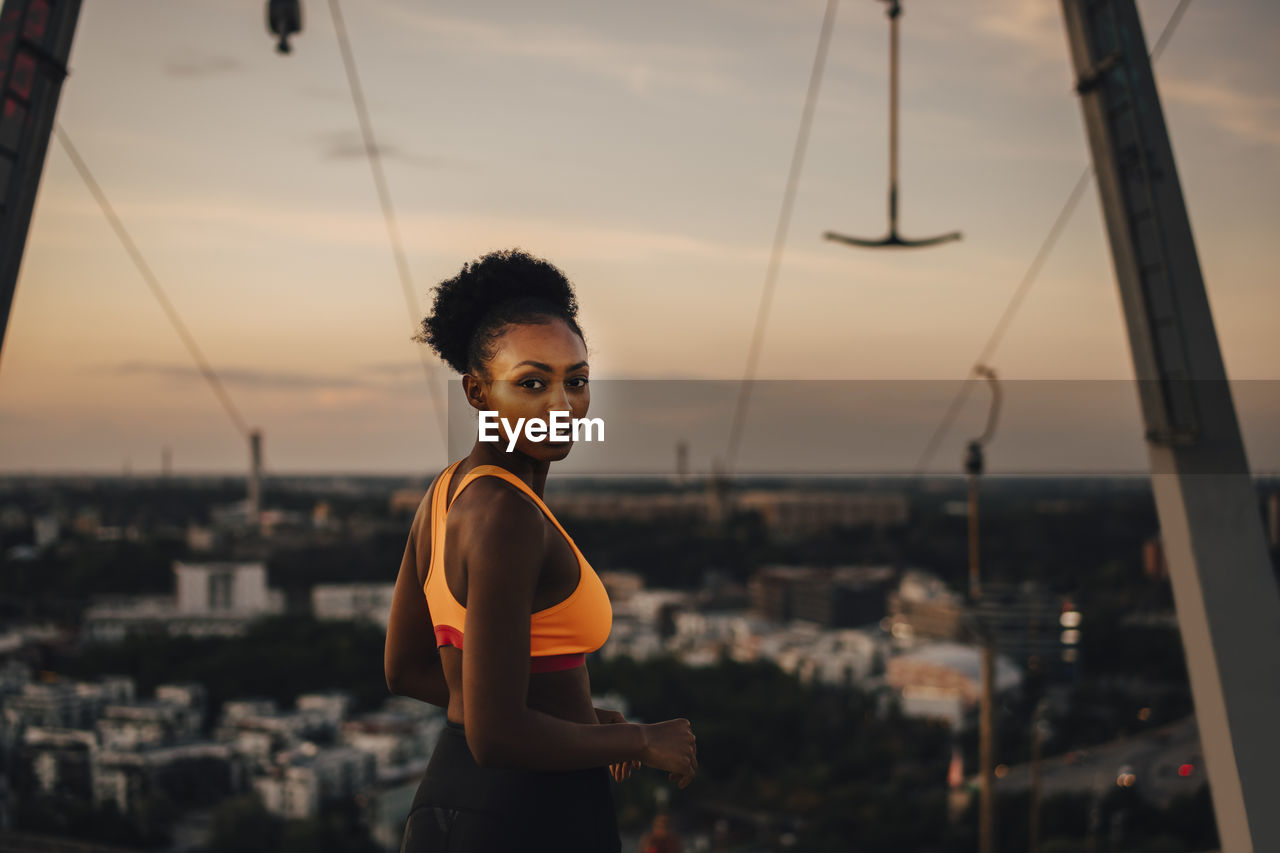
<point x="1186" y="770"/>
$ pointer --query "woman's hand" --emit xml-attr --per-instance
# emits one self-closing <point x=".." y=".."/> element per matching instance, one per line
<point x="671" y="746"/>
<point x="623" y="769"/>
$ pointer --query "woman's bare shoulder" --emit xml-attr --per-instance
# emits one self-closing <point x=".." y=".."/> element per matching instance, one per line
<point x="491" y="508"/>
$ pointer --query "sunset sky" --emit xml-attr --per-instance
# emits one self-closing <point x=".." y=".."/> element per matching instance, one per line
<point x="641" y="147"/>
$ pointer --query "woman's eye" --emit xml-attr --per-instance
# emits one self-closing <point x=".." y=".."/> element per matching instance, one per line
<point x="578" y="382"/>
<point x="532" y="384"/>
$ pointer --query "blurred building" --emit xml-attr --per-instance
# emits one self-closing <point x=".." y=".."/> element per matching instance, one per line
<point x="259" y="730"/>
<point x="701" y="639"/>
<point x="1028" y="624"/>
<point x="222" y="587"/>
<point x="14" y="676"/>
<point x="13" y="517"/>
<point x="843" y="597"/>
<point x="211" y="599"/>
<point x="60" y="761"/>
<point x="844" y="657"/>
<point x="322" y="517"/>
<point x="385" y="809"/>
<point x="628" y="506"/>
<point x="236" y="710"/>
<point x="788" y="513"/>
<point x="303" y="779"/>
<point x="189" y="694"/>
<point x="923" y="606"/>
<point x="369" y="602"/>
<point x="771" y="591"/>
<point x="643" y="619"/>
<point x="400" y="743"/>
<point x="95" y="742"/>
<point x="406" y="501"/>
<point x="620" y="584"/>
<point x="147" y="723"/>
<point x="943" y="680"/>
<point x="190" y="773"/>
<point x="45" y="530"/>
<point x="55" y="705"/>
<point x="333" y="705"/>
<point x="202" y="538"/>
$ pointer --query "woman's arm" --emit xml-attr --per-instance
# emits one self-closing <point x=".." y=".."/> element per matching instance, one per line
<point x="411" y="661"/>
<point x="621" y="770"/>
<point x="504" y="540"/>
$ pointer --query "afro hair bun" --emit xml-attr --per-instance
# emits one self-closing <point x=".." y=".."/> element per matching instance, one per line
<point x="507" y="286"/>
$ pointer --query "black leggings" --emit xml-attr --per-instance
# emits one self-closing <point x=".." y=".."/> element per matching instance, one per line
<point x="462" y="807"/>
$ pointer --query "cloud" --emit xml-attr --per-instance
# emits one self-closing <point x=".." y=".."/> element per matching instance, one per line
<point x="1033" y="24"/>
<point x="640" y="67"/>
<point x="1252" y="118"/>
<point x="201" y="66"/>
<point x="378" y="377"/>
<point x="230" y="221"/>
<point x="394" y="368"/>
<point x="349" y="145"/>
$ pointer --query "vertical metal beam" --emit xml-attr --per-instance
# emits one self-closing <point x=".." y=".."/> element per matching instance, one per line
<point x="987" y="747"/>
<point x="35" y="42"/>
<point x="254" y="500"/>
<point x="975" y="583"/>
<point x="1033" y="819"/>
<point x="1227" y="598"/>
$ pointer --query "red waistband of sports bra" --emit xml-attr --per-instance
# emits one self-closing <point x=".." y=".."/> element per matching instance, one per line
<point x="447" y="635"/>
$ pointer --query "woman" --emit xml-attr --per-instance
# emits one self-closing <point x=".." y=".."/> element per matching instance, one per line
<point x="494" y="607"/>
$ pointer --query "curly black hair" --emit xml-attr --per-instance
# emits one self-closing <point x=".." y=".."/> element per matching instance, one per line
<point x="503" y="287"/>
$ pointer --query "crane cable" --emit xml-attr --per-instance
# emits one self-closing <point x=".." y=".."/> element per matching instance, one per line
<point x="1046" y="247"/>
<point x="780" y="232"/>
<point x="152" y="282"/>
<point x="374" y="155"/>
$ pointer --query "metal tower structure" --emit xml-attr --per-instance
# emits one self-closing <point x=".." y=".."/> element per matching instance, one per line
<point x="1225" y="591"/>
<point x="35" y="42"/>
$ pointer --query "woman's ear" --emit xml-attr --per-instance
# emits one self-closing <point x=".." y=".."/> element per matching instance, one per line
<point x="474" y="388"/>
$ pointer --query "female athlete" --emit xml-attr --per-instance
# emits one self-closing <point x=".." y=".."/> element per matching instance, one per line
<point x="495" y="607"/>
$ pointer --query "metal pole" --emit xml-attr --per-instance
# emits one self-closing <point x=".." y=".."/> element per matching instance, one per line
<point x="1225" y="591"/>
<point x="1033" y="834"/>
<point x="986" y="749"/>
<point x="982" y="632"/>
<point x="974" y="464"/>
<point x="895" y="11"/>
<point x="975" y="585"/>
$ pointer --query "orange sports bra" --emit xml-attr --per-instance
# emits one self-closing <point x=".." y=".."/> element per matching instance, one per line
<point x="559" y="635"/>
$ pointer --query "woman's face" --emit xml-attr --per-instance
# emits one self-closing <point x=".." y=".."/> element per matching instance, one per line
<point x="536" y="369"/>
